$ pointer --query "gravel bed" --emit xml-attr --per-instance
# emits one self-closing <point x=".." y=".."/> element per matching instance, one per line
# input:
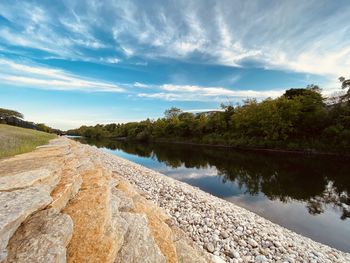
<point x="230" y="233"/>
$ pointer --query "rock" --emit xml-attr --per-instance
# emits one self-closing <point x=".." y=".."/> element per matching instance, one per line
<point x="28" y="178"/>
<point x="66" y="189"/>
<point x="125" y="203"/>
<point x="16" y="206"/>
<point x="210" y="247"/>
<point x="186" y="254"/>
<point x="224" y="234"/>
<point x="160" y="230"/>
<point x="252" y="242"/>
<point x="139" y="245"/>
<point x="217" y="259"/>
<point x="43" y="238"/>
<point x="234" y="254"/>
<point x="260" y="259"/>
<point x="118" y="224"/>
<point x="242" y="243"/>
<point x="96" y="235"/>
<point x="277" y="244"/>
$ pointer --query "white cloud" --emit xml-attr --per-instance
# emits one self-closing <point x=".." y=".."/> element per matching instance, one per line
<point x="202" y="110"/>
<point x="111" y="60"/>
<point x="34" y="76"/>
<point x="307" y="37"/>
<point x="140" y="85"/>
<point x="172" y="92"/>
<point x="219" y="91"/>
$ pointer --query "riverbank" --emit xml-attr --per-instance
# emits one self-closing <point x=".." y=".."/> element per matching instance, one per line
<point x="177" y="222"/>
<point x="222" y="228"/>
<point x="60" y="204"/>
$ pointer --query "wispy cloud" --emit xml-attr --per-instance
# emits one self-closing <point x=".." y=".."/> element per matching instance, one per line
<point x="34" y="76"/>
<point x="203" y="110"/>
<point x="310" y="37"/>
<point x="172" y="92"/>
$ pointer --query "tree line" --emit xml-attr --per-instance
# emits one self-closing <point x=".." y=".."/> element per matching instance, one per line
<point x="15" y="118"/>
<point x="300" y="119"/>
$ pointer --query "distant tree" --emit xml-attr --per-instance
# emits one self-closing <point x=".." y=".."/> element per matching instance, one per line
<point x="310" y="89"/>
<point x="43" y="127"/>
<point x="5" y="113"/>
<point x="345" y="84"/>
<point x="172" y="113"/>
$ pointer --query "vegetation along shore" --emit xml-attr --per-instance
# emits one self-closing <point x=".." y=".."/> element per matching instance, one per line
<point x="299" y="120"/>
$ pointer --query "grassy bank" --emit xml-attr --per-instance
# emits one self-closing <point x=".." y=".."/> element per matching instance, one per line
<point x="15" y="140"/>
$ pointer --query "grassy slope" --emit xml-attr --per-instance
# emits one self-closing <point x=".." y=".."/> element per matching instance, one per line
<point x="15" y="140"/>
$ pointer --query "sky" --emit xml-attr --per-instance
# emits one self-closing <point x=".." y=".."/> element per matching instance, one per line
<point x="66" y="63"/>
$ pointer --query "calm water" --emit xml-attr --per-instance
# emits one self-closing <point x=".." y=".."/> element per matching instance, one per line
<point x="307" y="194"/>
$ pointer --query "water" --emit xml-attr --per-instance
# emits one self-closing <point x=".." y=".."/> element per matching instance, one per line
<point x="307" y="194"/>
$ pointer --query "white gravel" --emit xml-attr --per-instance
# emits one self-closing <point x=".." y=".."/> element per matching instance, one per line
<point x="229" y="232"/>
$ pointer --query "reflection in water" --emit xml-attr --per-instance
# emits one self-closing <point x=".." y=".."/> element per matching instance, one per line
<point x="266" y="183"/>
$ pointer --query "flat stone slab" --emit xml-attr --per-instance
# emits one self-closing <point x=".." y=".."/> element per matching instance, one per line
<point x="15" y="207"/>
<point x="95" y="237"/>
<point x="43" y="238"/>
<point x="27" y="179"/>
<point x="139" y="244"/>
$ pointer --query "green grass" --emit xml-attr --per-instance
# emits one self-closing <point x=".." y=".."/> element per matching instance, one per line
<point x="16" y="140"/>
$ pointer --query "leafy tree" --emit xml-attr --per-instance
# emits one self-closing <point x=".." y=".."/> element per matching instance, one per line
<point x="44" y="128"/>
<point x="172" y="112"/>
<point x="345" y="84"/>
<point x="5" y="113"/>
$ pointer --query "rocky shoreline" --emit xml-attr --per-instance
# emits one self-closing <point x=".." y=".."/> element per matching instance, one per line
<point x="226" y="231"/>
<point x="68" y="202"/>
<point x="60" y="203"/>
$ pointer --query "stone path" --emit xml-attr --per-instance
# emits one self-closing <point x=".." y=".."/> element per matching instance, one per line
<point x="61" y="203"/>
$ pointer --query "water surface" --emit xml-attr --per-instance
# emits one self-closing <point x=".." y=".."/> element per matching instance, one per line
<point x="307" y="194"/>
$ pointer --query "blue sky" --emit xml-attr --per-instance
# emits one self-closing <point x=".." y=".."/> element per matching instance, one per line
<point x="74" y="62"/>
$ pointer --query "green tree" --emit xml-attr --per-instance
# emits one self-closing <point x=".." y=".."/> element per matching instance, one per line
<point x="172" y="112"/>
<point x="345" y="84"/>
<point x="5" y="113"/>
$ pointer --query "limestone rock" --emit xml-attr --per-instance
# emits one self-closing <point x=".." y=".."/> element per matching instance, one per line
<point x="118" y="224"/>
<point x="156" y="219"/>
<point x="125" y="203"/>
<point x="139" y="245"/>
<point x="16" y="206"/>
<point x="186" y="254"/>
<point x="43" y="238"/>
<point x="28" y="178"/>
<point x="66" y="189"/>
<point x="95" y="237"/>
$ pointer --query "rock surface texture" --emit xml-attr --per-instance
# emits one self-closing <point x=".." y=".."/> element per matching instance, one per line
<point x="62" y="203"/>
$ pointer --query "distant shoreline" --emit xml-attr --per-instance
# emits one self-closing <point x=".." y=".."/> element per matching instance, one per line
<point x="223" y="146"/>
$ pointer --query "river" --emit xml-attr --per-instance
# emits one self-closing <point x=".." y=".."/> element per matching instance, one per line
<point x="307" y="194"/>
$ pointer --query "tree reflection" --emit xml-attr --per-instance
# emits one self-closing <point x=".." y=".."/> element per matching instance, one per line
<point x="318" y="181"/>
